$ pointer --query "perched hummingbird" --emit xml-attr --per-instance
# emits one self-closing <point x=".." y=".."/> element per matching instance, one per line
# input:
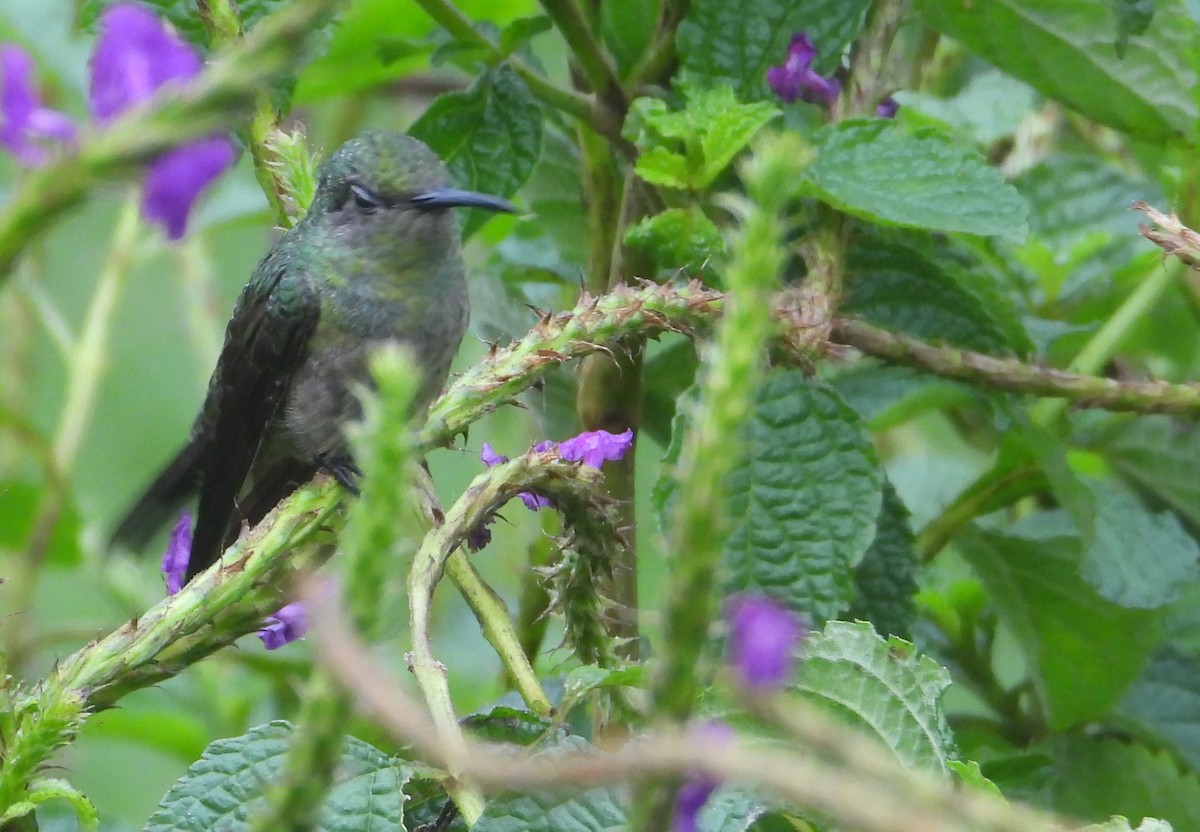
<point x="378" y="258"/>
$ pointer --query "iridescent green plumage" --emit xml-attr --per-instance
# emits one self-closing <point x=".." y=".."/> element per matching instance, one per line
<point x="377" y="258"/>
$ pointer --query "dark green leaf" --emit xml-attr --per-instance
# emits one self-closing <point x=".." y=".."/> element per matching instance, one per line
<point x="1065" y="50"/>
<point x="1081" y="650"/>
<point x="627" y="27"/>
<point x="521" y="31"/>
<point x="898" y="288"/>
<point x="584" y="680"/>
<point x="594" y="810"/>
<point x="1100" y="777"/>
<point x="873" y="169"/>
<point x="733" y="43"/>
<point x="224" y="787"/>
<point x="886" y="395"/>
<point x="1133" y="17"/>
<point x="678" y="238"/>
<point x="987" y="109"/>
<point x="1073" y="198"/>
<point x="1165" y="702"/>
<point x="804" y="499"/>
<point x="490" y="136"/>
<point x="883" y="687"/>
<point x="885" y="582"/>
<point x="508" y="725"/>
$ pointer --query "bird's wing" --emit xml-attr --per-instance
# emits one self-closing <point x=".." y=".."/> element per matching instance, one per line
<point x="265" y="343"/>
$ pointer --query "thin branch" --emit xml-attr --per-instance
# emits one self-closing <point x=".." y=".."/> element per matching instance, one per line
<point x="1172" y="236"/>
<point x="1017" y="376"/>
<point x="596" y="64"/>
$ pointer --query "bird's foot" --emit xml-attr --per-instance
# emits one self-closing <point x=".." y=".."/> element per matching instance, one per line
<point x="343" y="469"/>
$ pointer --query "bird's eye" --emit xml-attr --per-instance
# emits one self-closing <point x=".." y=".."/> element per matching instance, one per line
<point x="364" y="199"/>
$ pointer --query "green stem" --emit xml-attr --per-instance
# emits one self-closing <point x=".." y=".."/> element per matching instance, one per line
<point x="86" y="367"/>
<point x="1102" y="346"/>
<point x="597" y="66"/>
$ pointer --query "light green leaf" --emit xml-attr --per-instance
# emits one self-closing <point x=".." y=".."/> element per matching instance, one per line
<point x="882" y="687"/>
<point x="490" y="136"/>
<point x="885" y="582"/>
<point x="225" y="786"/>
<point x="873" y="169"/>
<point x="734" y="42"/>
<point x="1165" y="701"/>
<point x="1097" y="777"/>
<point x="1137" y="557"/>
<point x="1065" y="49"/>
<point x="521" y="31"/>
<point x="805" y="498"/>
<point x="1081" y="651"/>
<point x="678" y="238"/>
<point x="660" y="166"/>
<point x="584" y="680"/>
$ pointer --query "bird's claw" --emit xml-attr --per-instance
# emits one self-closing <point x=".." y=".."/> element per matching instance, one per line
<point x="343" y="469"/>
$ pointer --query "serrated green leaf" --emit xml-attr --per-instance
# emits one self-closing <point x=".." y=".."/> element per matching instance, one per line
<point x="731" y="126"/>
<point x="490" y="136"/>
<point x="1165" y="702"/>
<point x="883" y="687"/>
<point x="224" y="787"/>
<point x="678" y="238"/>
<point x="1099" y="777"/>
<point x="1081" y="651"/>
<point x="804" y="498"/>
<point x="660" y="166"/>
<point x="885" y="582"/>
<point x="1072" y="198"/>
<point x="733" y="44"/>
<point x="510" y="725"/>
<point x="594" y="810"/>
<point x="873" y="169"/>
<point x="1137" y="557"/>
<point x="1065" y="50"/>
<point x="898" y="288"/>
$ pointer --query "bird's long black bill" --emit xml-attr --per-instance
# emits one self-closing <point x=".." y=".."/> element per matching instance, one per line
<point x="454" y="198"/>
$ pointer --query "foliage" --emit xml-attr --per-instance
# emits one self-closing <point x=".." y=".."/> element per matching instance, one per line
<point x="918" y="379"/>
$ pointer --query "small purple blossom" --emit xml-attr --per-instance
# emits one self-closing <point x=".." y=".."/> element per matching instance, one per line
<point x="285" y="626"/>
<point x="796" y="79"/>
<point x="763" y="639"/>
<point x="696" y="791"/>
<point x="26" y="123"/>
<point x="135" y="55"/>
<point x="179" y="551"/>
<point x="175" y="180"/>
<point x="887" y="108"/>
<point x="533" y="502"/>
<point x="594" y="448"/>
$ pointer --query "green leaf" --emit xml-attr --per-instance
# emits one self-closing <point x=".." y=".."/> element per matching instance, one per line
<point x="490" y="136"/>
<point x="678" y="238"/>
<point x="1065" y="50"/>
<point x="521" y="31"/>
<point x="883" y="687"/>
<point x="885" y="582"/>
<point x="873" y="169"/>
<point x="969" y="774"/>
<point x="734" y="42"/>
<point x="1165" y="702"/>
<point x="690" y="148"/>
<point x="898" y="288"/>
<point x="627" y="28"/>
<point x="584" y="680"/>
<point x="731" y="809"/>
<point x="669" y="369"/>
<point x="510" y="725"/>
<point x="1099" y="777"/>
<point x="989" y="107"/>
<point x="594" y="810"/>
<point x="1133" y="18"/>
<point x="805" y="498"/>
<point x="1136" y="557"/>
<point x="1081" y="651"/>
<point x="224" y="787"/>
<point x="181" y="14"/>
<point x="1074" y="198"/>
<point x="660" y="166"/>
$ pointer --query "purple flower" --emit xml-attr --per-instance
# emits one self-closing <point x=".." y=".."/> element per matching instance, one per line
<point x="763" y="639"/>
<point x="135" y="55"/>
<point x="594" y="448"/>
<point x="887" y="108"/>
<point x="26" y="123"/>
<point x="532" y="501"/>
<point x="480" y="536"/>
<point x="796" y="79"/>
<point x="490" y="458"/>
<point x="696" y="791"/>
<point x="175" y="180"/>
<point x="179" y="551"/>
<point x="285" y="626"/>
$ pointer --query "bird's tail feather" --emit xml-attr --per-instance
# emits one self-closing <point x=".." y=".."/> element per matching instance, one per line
<point x="156" y="507"/>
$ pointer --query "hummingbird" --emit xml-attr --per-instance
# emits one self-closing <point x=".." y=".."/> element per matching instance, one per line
<point x="377" y="258"/>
